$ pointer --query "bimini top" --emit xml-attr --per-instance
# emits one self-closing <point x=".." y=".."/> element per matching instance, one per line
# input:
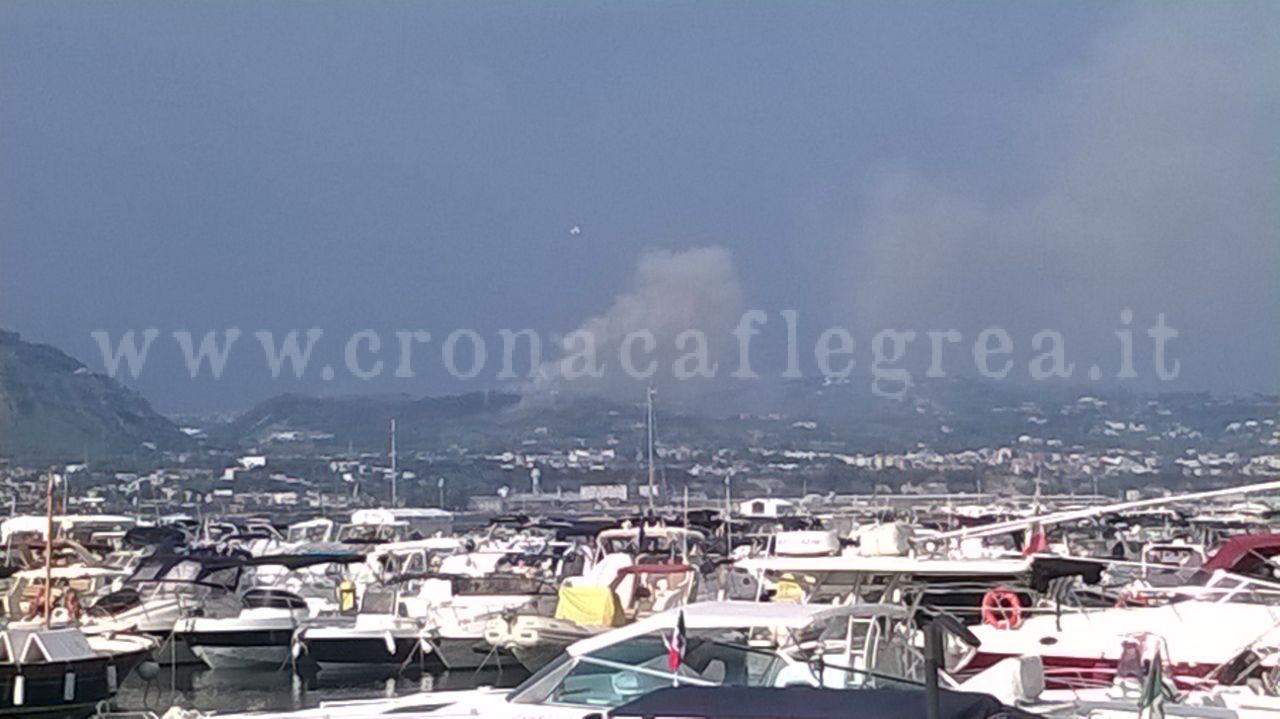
<point x="306" y="558"/>
<point x="1241" y="555"/>
<point x="166" y="537"/>
<point x="806" y="703"/>
<point x="735" y="615"/>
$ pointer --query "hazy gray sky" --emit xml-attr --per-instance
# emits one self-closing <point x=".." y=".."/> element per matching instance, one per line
<point x="402" y="165"/>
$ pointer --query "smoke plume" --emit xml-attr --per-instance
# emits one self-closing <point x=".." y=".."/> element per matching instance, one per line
<point x="1148" y="179"/>
<point x="670" y="292"/>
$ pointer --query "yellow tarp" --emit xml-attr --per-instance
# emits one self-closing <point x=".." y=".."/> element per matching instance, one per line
<point x="591" y="606"/>
<point x="788" y="590"/>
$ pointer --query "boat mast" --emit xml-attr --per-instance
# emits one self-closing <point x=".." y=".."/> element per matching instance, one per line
<point x="684" y="536"/>
<point x="649" y="424"/>
<point x="48" y="556"/>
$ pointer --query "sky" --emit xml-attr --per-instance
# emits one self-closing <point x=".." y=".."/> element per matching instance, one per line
<point x="486" y="165"/>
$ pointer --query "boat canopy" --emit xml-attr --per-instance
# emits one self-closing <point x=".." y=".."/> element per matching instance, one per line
<point x="589" y="606"/>
<point x="1243" y="554"/>
<point x="166" y="536"/>
<point x="218" y="571"/>
<point x="304" y="559"/>
<point x="579" y="527"/>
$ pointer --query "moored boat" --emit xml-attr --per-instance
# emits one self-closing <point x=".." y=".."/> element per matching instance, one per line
<point x="59" y="673"/>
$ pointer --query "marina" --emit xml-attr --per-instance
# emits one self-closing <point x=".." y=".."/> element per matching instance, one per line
<point x="1055" y="609"/>
<point x="423" y="359"/>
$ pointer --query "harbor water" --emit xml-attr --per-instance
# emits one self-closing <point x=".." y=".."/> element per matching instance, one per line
<point x="198" y="687"/>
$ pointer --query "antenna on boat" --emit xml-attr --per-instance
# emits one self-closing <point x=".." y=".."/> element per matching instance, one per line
<point x="393" y="461"/>
<point x="684" y="536"/>
<point x="728" y="512"/>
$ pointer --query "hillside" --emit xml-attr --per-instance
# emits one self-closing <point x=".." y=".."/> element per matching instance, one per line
<point x="53" y="408"/>
<point x="798" y="414"/>
<point x="493" y="420"/>
<point x="946" y="415"/>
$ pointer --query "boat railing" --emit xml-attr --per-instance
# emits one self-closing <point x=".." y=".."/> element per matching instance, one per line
<point x="656" y="673"/>
<point x="863" y="657"/>
<point x="1222" y="587"/>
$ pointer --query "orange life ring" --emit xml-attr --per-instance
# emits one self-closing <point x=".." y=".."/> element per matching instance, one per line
<point x="1002" y="609"/>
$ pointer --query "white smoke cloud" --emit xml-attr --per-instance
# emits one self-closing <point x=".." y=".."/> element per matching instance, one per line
<point x="670" y="292"/>
<point x="1152" y="184"/>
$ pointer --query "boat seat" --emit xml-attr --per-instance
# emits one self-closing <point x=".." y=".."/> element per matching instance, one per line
<point x="795" y="675"/>
<point x="664" y="596"/>
<point x="1011" y="680"/>
<point x="606" y="570"/>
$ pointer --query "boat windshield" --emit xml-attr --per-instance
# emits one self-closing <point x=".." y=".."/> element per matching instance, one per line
<point x="500" y="584"/>
<point x="674" y="543"/>
<point x="372" y="533"/>
<point x="310" y="532"/>
<point x="166" y="576"/>
<point x="619" y="673"/>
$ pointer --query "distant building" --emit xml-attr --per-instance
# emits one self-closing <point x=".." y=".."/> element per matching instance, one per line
<point x="616" y="492"/>
<point x="491" y="504"/>
<point x="252" y="461"/>
<point x="765" y="507"/>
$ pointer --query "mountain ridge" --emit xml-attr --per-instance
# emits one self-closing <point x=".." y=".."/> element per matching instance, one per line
<point x="52" y="407"/>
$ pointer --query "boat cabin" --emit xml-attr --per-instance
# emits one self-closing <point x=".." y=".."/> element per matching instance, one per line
<point x="739" y="644"/>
